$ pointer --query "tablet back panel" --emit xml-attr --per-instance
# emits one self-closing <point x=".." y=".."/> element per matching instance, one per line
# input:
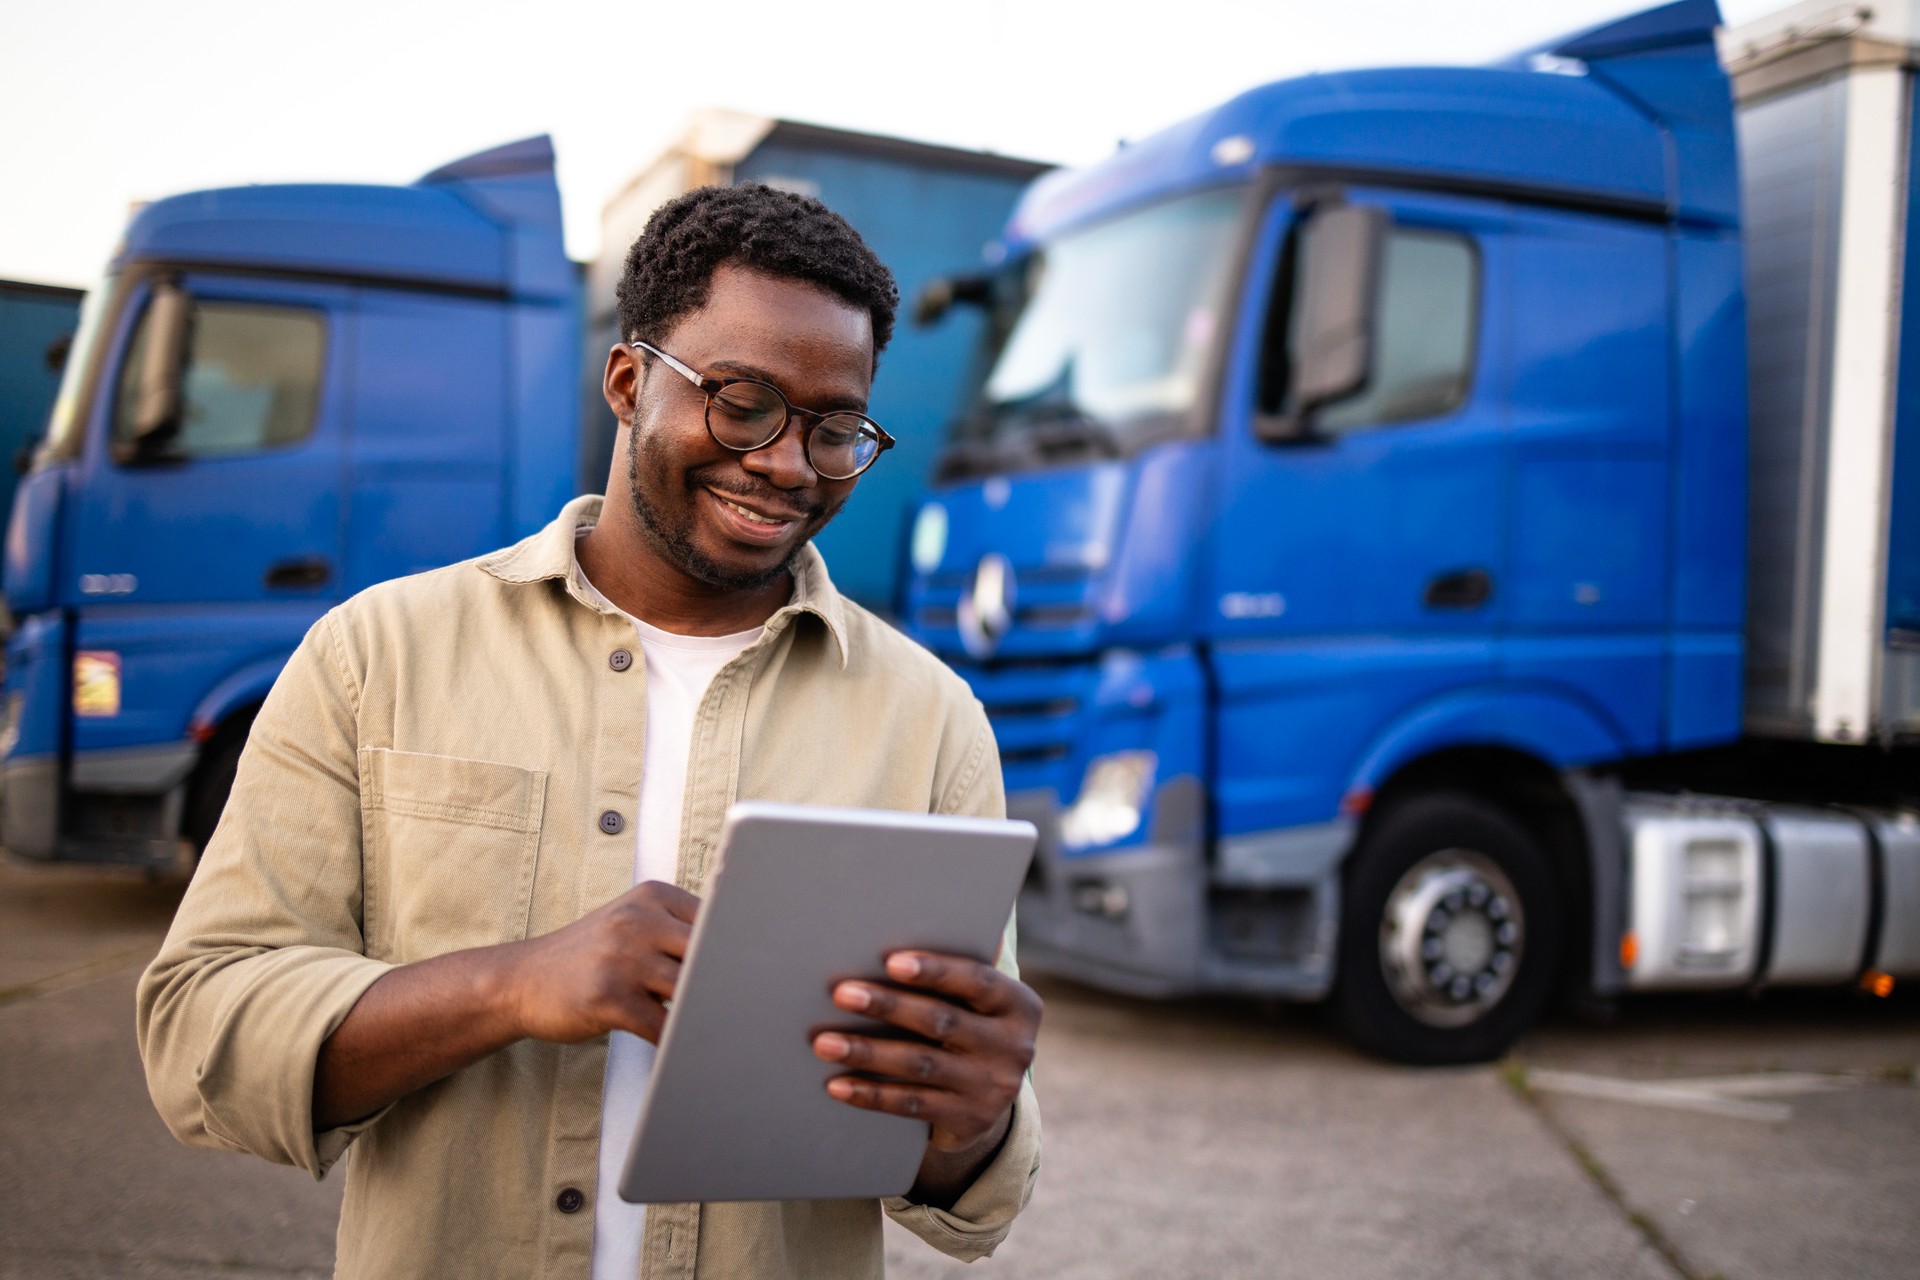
<point x="737" y="1107"/>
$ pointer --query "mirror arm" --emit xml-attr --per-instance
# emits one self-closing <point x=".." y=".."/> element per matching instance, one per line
<point x="1291" y="427"/>
<point x="942" y="293"/>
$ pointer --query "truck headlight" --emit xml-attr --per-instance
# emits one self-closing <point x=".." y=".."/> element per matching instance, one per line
<point x="1113" y="798"/>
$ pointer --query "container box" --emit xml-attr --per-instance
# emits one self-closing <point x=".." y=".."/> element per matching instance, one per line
<point x="1825" y="118"/>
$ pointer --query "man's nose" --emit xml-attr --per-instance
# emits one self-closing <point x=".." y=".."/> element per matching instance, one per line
<point x="783" y="461"/>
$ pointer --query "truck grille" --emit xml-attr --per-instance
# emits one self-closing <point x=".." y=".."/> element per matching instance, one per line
<point x="1052" y="610"/>
<point x="1035" y="709"/>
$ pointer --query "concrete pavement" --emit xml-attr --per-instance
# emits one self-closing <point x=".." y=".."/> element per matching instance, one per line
<point x="91" y="1184"/>
<point x="1199" y="1138"/>
<point x="1829" y="1188"/>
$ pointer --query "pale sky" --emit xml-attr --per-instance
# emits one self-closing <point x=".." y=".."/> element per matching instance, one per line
<point x="108" y="102"/>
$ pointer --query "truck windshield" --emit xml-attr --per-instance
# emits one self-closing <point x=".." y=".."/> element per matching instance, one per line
<point x="1100" y="339"/>
<point x="63" y="424"/>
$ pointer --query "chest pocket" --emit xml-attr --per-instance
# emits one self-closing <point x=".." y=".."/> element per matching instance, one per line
<point x="450" y="849"/>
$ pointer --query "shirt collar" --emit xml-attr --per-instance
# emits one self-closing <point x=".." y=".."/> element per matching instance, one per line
<point x="548" y="554"/>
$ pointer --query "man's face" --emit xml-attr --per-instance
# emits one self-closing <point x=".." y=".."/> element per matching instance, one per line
<point x="728" y="519"/>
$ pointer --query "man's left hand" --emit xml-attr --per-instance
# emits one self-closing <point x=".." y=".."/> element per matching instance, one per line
<point x="975" y="1028"/>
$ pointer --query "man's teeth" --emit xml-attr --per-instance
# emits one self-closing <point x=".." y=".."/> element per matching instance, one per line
<point x="754" y="516"/>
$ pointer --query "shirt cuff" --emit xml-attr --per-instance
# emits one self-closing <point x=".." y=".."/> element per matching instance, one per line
<point x="984" y="1213"/>
<point x="256" y="1081"/>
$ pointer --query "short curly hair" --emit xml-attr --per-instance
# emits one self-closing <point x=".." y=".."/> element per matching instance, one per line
<point x="780" y="233"/>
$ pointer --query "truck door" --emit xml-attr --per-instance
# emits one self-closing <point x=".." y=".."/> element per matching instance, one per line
<point x="1355" y="564"/>
<point x="228" y="517"/>
<point x="240" y="500"/>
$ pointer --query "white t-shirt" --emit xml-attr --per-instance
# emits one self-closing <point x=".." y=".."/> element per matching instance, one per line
<point x="679" y="668"/>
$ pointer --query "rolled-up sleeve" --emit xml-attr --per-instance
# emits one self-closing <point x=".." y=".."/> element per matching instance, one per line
<point x="980" y="1219"/>
<point x="266" y="956"/>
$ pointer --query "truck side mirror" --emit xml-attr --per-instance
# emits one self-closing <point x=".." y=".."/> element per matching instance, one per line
<point x="1331" y="327"/>
<point x="57" y="352"/>
<point x="157" y="404"/>
<point x="940" y="294"/>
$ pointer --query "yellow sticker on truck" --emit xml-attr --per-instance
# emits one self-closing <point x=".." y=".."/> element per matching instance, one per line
<point x="96" y="683"/>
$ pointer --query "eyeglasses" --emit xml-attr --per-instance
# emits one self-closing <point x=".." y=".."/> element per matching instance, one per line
<point x="745" y="414"/>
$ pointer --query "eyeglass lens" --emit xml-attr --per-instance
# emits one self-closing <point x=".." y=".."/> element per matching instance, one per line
<point x="748" y="415"/>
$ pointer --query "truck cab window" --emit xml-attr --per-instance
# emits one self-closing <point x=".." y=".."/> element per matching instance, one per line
<point x="1423" y="346"/>
<point x="1109" y="327"/>
<point x="251" y="380"/>
<point x="63" y="424"/>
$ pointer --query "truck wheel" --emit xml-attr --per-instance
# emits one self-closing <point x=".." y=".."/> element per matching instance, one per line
<point x="1450" y="932"/>
<point x="212" y="782"/>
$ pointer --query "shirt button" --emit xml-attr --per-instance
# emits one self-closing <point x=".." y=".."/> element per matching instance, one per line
<point x="620" y="659"/>
<point x="612" y="823"/>
<point x="569" y="1200"/>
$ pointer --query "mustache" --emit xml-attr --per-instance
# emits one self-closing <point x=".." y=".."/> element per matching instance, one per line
<point x="762" y="496"/>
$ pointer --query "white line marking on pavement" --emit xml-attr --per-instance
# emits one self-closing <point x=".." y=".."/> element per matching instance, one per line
<point x="1770" y="1084"/>
<point x="1713" y="1095"/>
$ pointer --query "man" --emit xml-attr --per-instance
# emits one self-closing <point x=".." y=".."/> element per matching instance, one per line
<point x="456" y="876"/>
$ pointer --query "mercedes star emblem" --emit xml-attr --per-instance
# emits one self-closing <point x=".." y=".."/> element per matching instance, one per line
<point x="986" y="610"/>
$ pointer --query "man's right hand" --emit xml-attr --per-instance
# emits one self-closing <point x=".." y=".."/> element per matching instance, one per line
<point x="613" y="969"/>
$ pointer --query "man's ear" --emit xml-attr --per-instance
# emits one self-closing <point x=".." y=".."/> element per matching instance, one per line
<point x="620" y="384"/>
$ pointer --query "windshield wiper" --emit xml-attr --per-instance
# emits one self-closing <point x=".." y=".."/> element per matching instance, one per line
<point x="1058" y="428"/>
<point x="1018" y="437"/>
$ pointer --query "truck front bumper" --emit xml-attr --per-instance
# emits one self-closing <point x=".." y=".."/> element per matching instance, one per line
<point x="1132" y="920"/>
<point x="1161" y="919"/>
<point x="30" y="818"/>
<point x="121" y="806"/>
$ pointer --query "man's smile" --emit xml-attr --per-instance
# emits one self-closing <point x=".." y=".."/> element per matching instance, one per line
<point x="753" y="522"/>
<point x="750" y="514"/>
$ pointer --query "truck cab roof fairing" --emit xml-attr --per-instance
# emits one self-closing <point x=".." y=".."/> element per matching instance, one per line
<point x="1600" y="134"/>
<point x="463" y="226"/>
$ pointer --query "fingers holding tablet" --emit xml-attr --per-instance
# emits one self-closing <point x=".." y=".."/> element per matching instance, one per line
<point x="611" y="970"/>
<point x="745" y="1101"/>
<point x="975" y="1030"/>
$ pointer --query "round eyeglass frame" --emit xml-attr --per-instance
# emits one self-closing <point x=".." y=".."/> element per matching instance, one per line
<point x="810" y="419"/>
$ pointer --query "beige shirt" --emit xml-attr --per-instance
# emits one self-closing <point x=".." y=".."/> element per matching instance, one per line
<point x="453" y="760"/>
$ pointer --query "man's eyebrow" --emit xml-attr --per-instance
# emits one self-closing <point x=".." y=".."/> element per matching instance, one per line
<point x="740" y="369"/>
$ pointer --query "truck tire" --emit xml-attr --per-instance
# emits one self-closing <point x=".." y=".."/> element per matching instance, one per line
<point x="213" y="781"/>
<point x="1450" y="932"/>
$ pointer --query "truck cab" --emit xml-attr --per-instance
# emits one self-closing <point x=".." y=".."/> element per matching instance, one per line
<point x="278" y="396"/>
<point x="1359" y="475"/>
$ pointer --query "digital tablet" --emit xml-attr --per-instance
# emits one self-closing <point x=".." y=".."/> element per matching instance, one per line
<point x="803" y="897"/>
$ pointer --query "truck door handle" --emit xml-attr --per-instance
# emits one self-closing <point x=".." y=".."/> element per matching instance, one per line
<point x="299" y="574"/>
<point x="1461" y="589"/>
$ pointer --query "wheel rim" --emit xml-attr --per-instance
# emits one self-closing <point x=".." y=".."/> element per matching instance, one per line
<point x="1451" y="937"/>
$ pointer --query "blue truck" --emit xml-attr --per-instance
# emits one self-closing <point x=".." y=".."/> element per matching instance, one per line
<point x="1432" y="538"/>
<point x="280" y="395"/>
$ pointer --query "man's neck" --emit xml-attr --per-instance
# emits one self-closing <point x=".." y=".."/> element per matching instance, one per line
<point x="626" y="569"/>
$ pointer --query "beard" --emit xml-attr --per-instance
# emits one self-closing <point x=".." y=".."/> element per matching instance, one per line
<point x="674" y="542"/>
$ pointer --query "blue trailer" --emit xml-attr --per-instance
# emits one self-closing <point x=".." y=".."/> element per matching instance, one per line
<point x="36" y="325"/>
<point x="1351" y="536"/>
